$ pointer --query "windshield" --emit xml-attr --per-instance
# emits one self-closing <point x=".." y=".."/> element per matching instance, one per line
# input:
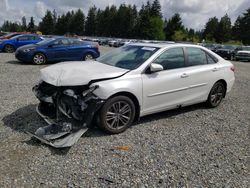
<point x="45" y="41"/>
<point x="128" y="57"/>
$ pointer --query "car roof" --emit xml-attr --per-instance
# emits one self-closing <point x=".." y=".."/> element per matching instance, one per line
<point x="163" y="45"/>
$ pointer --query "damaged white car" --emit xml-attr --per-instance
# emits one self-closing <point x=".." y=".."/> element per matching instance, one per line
<point x="126" y="84"/>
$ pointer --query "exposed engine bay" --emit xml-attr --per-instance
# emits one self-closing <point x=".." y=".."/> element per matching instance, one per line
<point x="68" y="110"/>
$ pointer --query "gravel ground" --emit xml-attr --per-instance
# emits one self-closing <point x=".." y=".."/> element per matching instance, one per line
<point x="190" y="147"/>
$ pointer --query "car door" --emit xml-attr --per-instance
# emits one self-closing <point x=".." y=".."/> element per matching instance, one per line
<point x="165" y="89"/>
<point x="57" y="50"/>
<point x="22" y="40"/>
<point x="76" y="49"/>
<point x="201" y="73"/>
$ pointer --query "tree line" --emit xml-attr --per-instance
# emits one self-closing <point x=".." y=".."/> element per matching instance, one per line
<point x="126" y="21"/>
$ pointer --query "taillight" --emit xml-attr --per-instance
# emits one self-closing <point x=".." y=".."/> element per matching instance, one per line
<point x="232" y="68"/>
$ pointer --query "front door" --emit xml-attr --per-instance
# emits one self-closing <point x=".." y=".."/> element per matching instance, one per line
<point x="166" y="89"/>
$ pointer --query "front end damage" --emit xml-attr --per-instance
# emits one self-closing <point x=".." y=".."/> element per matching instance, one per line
<point x="68" y="111"/>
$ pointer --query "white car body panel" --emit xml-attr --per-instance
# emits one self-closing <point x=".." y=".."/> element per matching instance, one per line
<point x="155" y="92"/>
<point x="77" y="73"/>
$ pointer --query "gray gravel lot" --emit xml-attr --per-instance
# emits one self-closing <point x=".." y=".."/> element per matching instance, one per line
<point x="190" y="147"/>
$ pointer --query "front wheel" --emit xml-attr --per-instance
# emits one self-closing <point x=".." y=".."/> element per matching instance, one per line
<point x="39" y="59"/>
<point x="216" y="94"/>
<point x="117" y="114"/>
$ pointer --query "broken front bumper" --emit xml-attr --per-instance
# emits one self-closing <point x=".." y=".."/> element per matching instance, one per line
<point x="68" y="111"/>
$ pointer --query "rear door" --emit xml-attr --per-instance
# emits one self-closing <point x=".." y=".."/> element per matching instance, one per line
<point x="76" y="49"/>
<point x="201" y="73"/>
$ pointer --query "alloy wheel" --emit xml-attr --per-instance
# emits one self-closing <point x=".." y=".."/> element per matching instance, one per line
<point x="9" y="49"/>
<point x="217" y="94"/>
<point x="118" y="115"/>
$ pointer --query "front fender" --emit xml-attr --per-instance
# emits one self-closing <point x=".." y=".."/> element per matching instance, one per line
<point x="111" y="87"/>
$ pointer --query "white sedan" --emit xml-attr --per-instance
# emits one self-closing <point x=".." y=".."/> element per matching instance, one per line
<point x="125" y="84"/>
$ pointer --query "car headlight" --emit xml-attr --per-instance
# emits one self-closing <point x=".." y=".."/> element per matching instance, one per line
<point x="28" y="50"/>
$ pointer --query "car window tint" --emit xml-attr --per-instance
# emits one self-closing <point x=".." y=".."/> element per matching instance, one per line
<point x="23" y="38"/>
<point x="196" y="56"/>
<point x="75" y="42"/>
<point x="171" y="59"/>
<point x="62" y="42"/>
<point x="210" y="60"/>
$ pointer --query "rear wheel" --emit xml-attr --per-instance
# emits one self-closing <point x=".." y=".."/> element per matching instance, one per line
<point x="216" y="94"/>
<point x="39" y="59"/>
<point x="88" y="57"/>
<point x="117" y="114"/>
<point x="9" y="48"/>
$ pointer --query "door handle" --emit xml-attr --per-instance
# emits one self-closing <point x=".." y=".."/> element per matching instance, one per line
<point x="184" y="75"/>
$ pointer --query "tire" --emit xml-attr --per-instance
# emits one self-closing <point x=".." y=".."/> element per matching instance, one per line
<point x="216" y="95"/>
<point x="88" y="57"/>
<point x="39" y="59"/>
<point x="9" y="48"/>
<point x="116" y="115"/>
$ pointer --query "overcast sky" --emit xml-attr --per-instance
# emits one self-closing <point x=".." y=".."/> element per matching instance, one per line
<point x="195" y="13"/>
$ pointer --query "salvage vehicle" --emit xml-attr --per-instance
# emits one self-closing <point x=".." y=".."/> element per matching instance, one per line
<point x="57" y="49"/>
<point x="10" y="45"/>
<point x="125" y="84"/>
<point x="243" y="54"/>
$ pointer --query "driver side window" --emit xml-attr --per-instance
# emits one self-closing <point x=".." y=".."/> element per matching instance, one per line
<point x="171" y="59"/>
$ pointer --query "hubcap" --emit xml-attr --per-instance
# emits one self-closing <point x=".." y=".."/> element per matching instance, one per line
<point x="38" y="59"/>
<point x="217" y="95"/>
<point x="118" y="115"/>
<point x="9" y="49"/>
<point x="88" y="57"/>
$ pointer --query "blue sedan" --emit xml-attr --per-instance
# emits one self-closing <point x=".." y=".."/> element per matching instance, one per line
<point x="10" y="45"/>
<point x="57" y="49"/>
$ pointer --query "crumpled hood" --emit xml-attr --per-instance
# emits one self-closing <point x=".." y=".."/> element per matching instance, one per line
<point x="28" y="46"/>
<point x="78" y="73"/>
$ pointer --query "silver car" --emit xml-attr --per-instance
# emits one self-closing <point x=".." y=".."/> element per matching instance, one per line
<point x="126" y="84"/>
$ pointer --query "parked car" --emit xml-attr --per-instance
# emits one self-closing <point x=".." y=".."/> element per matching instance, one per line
<point x="227" y="51"/>
<point x="212" y="47"/>
<point x="57" y="49"/>
<point x="127" y="83"/>
<point x="10" y="35"/>
<point x="13" y="43"/>
<point x="243" y="54"/>
<point x="111" y="43"/>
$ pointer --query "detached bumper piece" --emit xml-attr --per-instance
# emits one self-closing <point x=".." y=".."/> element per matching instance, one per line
<point x="68" y="113"/>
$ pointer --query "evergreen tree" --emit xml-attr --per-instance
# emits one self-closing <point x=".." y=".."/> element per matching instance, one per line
<point x="24" y="24"/>
<point x="77" y="23"/>
<point x="90" y="27"/>
<point x="224" y="30"/>
<point x="31" y="25"/>
<point x="46" y="26"/>
<point x="156" y="9"/>
<point x="172" y="25"/>
<point x="211" y="29"/>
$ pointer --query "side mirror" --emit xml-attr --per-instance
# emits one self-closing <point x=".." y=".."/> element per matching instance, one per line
<point x="154" y="67"/>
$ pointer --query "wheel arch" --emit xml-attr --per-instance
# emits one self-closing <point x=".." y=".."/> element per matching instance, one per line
<point x="225" y="85"/>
